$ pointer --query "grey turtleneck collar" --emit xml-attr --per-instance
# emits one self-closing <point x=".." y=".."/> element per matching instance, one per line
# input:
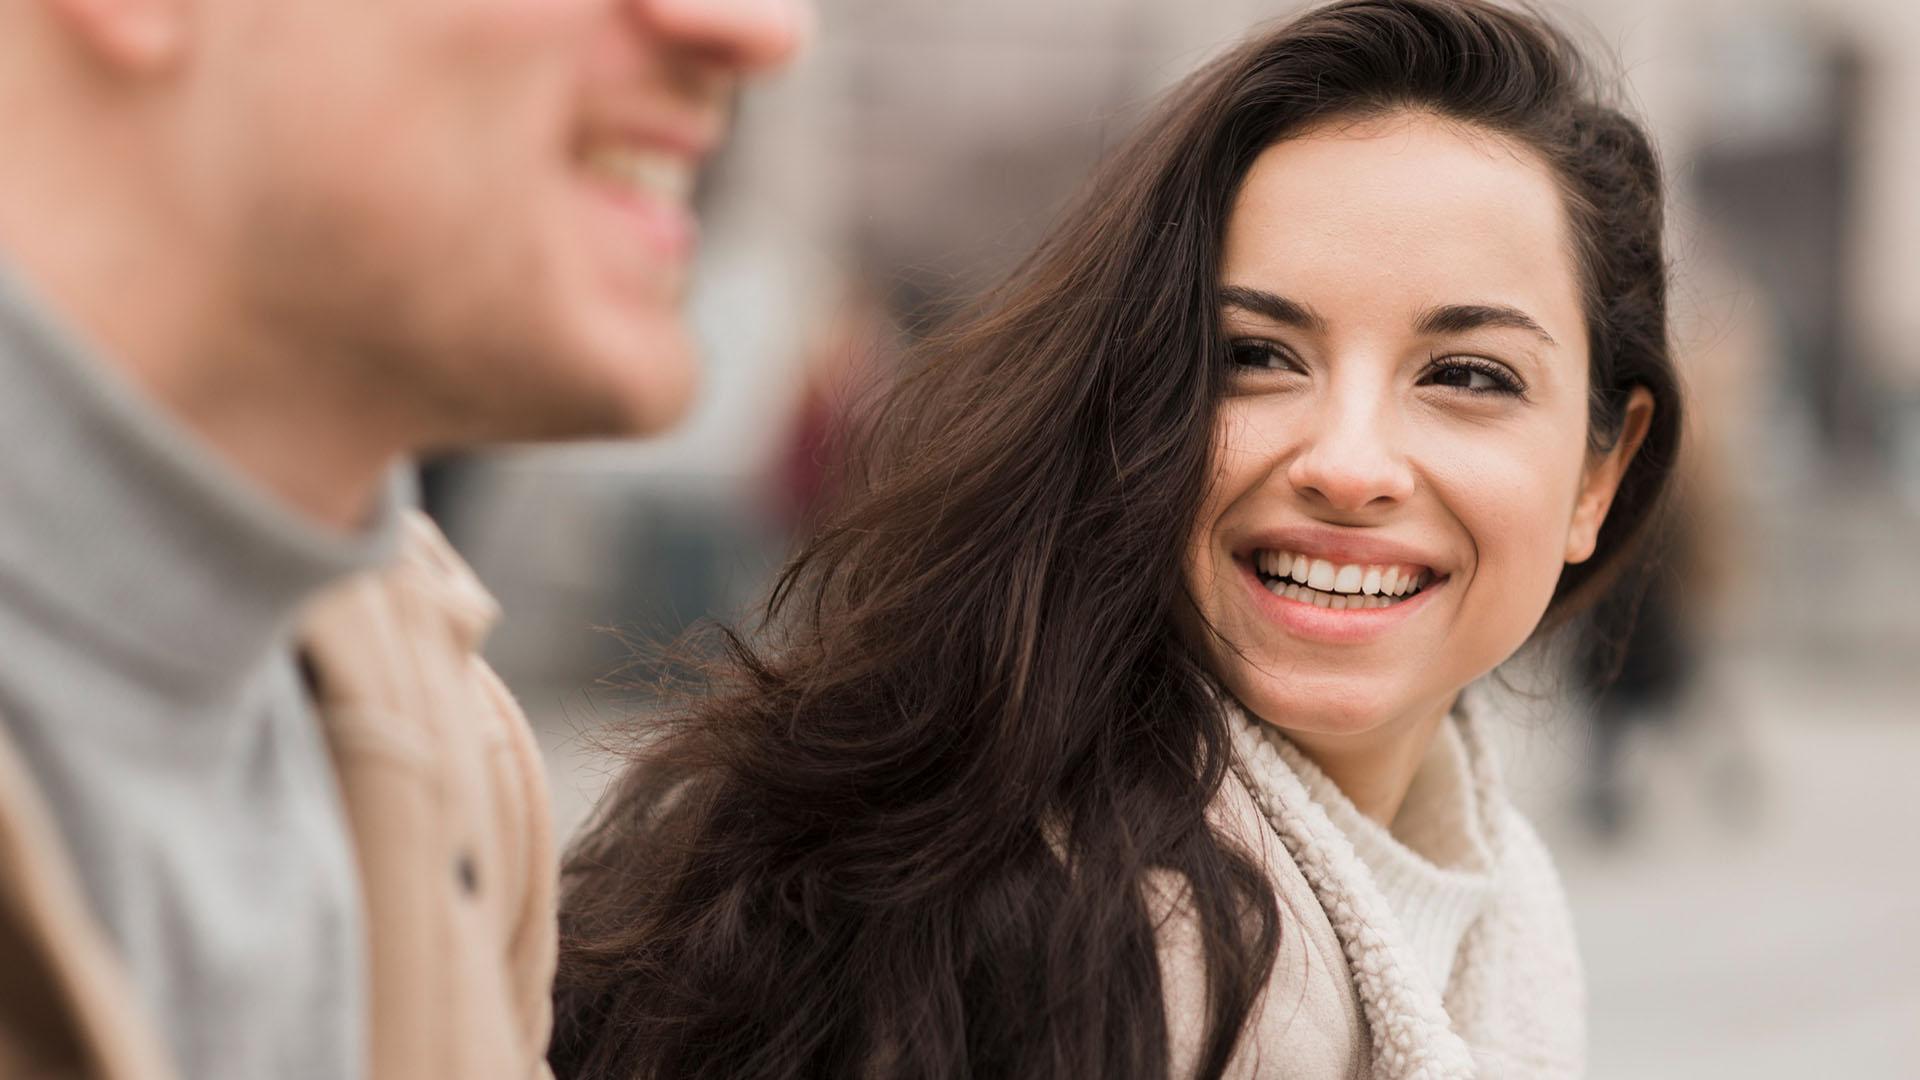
<point x="117" y="521"/>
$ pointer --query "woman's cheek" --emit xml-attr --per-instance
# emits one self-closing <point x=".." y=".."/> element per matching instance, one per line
<point x="1516" y="516"/>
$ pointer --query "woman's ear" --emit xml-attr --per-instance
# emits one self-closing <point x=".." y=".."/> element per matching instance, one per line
<point x="1601" y="478"/>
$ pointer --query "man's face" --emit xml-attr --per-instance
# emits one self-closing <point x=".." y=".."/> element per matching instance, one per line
<point x="486" y="202"/>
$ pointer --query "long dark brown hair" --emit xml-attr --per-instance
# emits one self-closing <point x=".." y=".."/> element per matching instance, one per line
<point x="904" y="829"/>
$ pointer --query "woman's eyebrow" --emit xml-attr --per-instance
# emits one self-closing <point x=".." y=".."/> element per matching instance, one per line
<point x="1445" y="319"/>
<point x="1458" y="318"/>
<point x="1272" y="306"/>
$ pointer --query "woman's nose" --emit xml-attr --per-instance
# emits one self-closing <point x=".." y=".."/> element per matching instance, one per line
<point x="746" y="36"/>
<point x="1351" y="461"/>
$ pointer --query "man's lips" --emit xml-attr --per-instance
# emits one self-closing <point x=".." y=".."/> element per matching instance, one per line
<point x="649" y="189"/>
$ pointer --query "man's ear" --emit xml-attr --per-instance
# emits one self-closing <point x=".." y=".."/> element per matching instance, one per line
<point x="1601" y="478"/>
<point x="133" y="37"/>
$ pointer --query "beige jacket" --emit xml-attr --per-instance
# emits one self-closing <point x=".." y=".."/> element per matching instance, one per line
<point x="1348" y="998"/>
<point x="448" y="806"/>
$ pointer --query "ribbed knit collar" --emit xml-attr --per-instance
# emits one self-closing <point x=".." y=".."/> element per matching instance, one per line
<point x="1433" y="865"/>
<point x="1517" y="968"/>
<point x="1411" y="1036"/>
<point x="119" y="526"/>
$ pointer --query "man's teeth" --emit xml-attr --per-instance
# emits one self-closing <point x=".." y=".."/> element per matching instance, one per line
<point x="1323" y="584"/>
<point x="659" y="176"/>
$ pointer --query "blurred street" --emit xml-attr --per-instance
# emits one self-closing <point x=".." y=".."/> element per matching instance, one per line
<point x="1765" y="920"/>
<point x="1783" y="945"/>
<point x="1761" y="918"/>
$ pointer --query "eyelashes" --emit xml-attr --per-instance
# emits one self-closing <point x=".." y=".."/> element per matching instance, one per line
<point x="1262" y="355"/>
<point x="1476" y="375"/>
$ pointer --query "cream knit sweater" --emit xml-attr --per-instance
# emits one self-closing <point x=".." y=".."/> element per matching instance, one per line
<point x="1432" y="864"/>
<point x="1350" y="995"/>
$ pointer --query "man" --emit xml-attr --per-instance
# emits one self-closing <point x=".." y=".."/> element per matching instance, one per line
<point x="263" y="812"/>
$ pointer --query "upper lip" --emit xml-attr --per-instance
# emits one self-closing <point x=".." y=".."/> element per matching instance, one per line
<point x="1342" y="547"/>
<point x="693" y="138"/>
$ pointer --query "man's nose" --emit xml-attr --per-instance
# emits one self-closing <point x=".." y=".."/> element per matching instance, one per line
<point x="1350" y="461"/>
<point x="746" y="36"/>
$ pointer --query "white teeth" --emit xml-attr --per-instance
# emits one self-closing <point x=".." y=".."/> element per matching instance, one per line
<point x="1349" y="578"/>
<point x="660" y="176"/>
<point x="1321" y="575"/>
<point x="1338" y="587"/>
<point x="1331" y="601"/>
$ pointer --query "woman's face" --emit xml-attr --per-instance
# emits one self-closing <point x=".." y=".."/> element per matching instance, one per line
<point x="1402" y="464"/>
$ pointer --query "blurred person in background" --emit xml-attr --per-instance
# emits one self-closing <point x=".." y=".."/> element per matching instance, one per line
<point x="845" y="363"/>
<point x="1645" y="668"/>
<point x="1120" y="721"/>
<point x="263" y="811"/>
<point x="1642" y="657"/>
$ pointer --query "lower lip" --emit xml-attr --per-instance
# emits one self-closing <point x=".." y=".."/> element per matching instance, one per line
<point x="668" y="231"/>
<point x="1348" y="627"/>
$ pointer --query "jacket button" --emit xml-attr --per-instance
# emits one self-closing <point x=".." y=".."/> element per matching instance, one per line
<point x="467" y="873"/>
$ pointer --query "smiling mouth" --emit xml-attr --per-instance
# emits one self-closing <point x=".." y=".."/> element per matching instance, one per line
<point x="639" y="172"/>
<point x="1339" y="587"/>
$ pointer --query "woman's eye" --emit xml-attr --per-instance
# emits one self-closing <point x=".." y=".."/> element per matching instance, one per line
<point x="1474" y="378"/>
<point x="1260" y="354"/>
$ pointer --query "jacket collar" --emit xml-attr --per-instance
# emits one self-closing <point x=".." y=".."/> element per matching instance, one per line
<point x="425" y="600"/>
<point x="1412" y="1037"/>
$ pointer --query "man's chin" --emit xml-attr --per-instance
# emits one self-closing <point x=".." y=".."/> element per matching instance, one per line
<point x="653" y="381"/>
<point x="629" y="380"/>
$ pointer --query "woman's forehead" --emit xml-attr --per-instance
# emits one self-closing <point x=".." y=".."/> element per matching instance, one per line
<point x="1406" y="210"/>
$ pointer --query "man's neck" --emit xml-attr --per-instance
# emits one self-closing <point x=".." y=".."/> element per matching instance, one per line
<point x="1375" y="769"/>
<point x="135" y="279"/>
<point x="293" y="424"/>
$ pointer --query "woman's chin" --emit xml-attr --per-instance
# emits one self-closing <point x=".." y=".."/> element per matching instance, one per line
<point x="1329" y="712"/>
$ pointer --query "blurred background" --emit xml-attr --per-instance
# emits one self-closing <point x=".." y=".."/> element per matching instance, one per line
<point x="1734" y="815"/>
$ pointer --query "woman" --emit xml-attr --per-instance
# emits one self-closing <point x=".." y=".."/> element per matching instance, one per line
<point x="1115" y="727"/>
